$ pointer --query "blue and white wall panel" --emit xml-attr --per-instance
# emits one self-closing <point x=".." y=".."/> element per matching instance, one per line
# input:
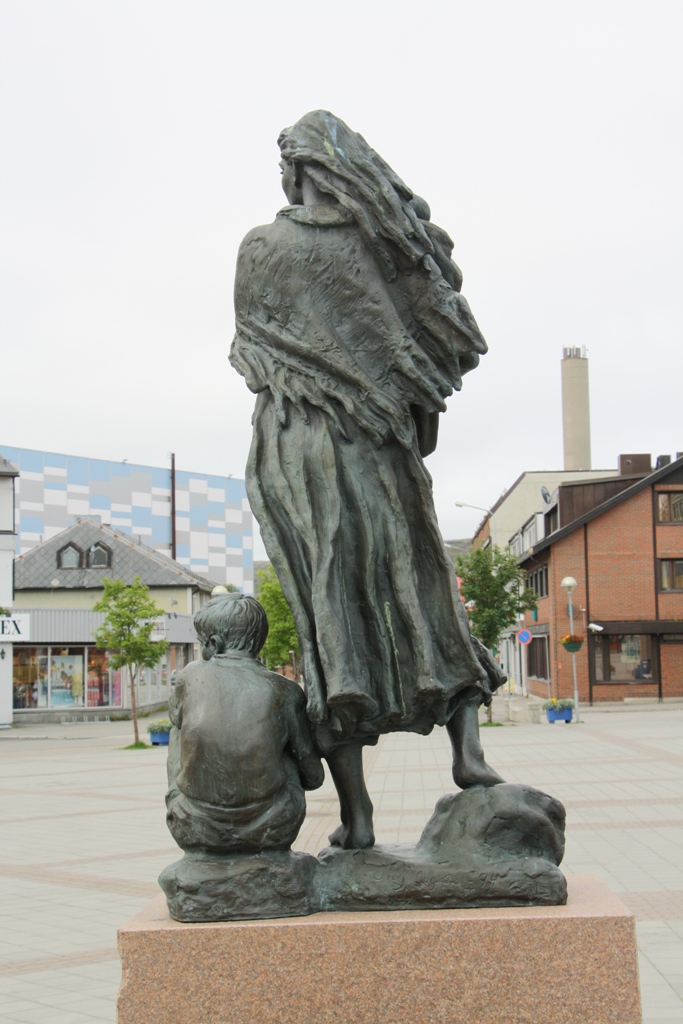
<point x="213" y="521"/>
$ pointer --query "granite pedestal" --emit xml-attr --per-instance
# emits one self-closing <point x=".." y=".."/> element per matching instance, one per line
<point x="573" y="964"/>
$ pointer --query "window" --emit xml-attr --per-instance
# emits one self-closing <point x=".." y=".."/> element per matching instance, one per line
<point x="66" y="677"/>
<point x="538" y="664"/>
<point x="623" y="658"/>
<point x="671" y="574"/>
<point x="99" y="679"/>
<point x="538" y="581"/>
<point x="552" y="520"/>
<point x="69" y="557"/>
<point x="30" y="677"/>
<point x="99" y="557"/>
<point x="670" y="506"/>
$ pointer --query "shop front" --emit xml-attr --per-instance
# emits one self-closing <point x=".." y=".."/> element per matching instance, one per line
<point x="53" y="677"/>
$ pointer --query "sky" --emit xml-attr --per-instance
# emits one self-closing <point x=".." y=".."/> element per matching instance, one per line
<point x="139" y="145"/>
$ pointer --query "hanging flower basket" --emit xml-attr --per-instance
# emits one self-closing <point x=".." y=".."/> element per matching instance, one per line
<point x="572" y="642"/>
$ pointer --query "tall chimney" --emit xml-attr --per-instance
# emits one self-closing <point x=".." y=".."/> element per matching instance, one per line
<point x="576" y="416"/>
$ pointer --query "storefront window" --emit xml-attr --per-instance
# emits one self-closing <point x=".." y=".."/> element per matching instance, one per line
<point x="98" y="679"/>
<point x="623" y="658"/>
<point x="78" y="677"/>
<point x="630" y="658"/>
<point x="66" y="677"/>
<point x="116" y="687"/>
<point x="30" y="677"/>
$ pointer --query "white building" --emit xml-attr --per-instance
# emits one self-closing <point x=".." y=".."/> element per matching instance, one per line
<point x="59" y="670"/>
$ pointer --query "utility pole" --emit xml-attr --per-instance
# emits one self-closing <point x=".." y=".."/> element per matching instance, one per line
<point x="173" y="529"/>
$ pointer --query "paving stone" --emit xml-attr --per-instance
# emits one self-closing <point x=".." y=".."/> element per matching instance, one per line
<point x="85" y="838"/>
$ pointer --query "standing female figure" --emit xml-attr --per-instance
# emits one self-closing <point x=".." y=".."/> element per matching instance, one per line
<point x="351" y="328"/>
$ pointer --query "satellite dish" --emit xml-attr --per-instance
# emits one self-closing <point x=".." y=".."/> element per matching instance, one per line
<point x="545" y="494"/>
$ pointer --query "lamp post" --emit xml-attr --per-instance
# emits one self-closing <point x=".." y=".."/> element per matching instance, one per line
<point x="569" y="584"/>
<point x="480" y="508"/>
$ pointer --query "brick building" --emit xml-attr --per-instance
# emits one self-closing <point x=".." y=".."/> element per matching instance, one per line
<point x="625" y="551"/>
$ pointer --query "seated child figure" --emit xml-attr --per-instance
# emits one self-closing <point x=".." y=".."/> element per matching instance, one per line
<point x="241" y="753"/>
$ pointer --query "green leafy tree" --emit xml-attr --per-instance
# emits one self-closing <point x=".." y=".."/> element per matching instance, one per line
<point x="127" y="630"/>
<point x="494" y="583"/>
<point x="282" y="639"/>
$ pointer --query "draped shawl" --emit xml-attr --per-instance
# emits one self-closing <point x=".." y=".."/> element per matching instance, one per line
<point x="319" y="322"/>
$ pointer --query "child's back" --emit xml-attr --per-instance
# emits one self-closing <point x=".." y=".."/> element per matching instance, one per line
<point x="238" y="727"/>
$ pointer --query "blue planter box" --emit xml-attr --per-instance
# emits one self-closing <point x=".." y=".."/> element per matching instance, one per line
<point x="565" y="715"/>
<point x="159" y="739"/>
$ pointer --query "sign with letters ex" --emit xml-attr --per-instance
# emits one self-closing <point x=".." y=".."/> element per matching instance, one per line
<point x="15" y="628"/>
<point x="524" y="636"/>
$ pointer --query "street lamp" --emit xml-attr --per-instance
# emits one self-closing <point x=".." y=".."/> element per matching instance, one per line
<point x="464" y="504"/>
<point x="569" y="584"/>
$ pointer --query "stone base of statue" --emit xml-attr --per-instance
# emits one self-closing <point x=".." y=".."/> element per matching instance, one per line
<point x="238" y="888"/>
<point x="527" y="965"/>
<point x="498" y="846"/>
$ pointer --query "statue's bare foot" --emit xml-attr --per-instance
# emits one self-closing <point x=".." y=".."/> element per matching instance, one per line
<point x="353" y="837"/>
<point x="475" y="773"/>
<point x="337" y="837"/>
<point x="469" y="765"/>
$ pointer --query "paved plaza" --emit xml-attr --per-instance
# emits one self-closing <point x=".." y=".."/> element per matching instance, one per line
<point x="84" y="838"/>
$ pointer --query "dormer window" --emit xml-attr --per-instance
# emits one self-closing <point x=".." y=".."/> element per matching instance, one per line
<point x="70" y="557"/>
<point x="99" y="557"/>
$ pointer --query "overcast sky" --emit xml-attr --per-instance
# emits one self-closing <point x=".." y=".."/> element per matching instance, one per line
<point x="139" y="145"/>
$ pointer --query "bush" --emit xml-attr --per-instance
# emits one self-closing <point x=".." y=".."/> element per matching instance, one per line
<point x="558" y="704"/>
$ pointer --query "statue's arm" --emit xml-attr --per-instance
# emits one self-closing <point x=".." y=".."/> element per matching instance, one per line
<point x="427" y="428"/>
<point x="309" y="765"/>
<point x="175" y="704"/>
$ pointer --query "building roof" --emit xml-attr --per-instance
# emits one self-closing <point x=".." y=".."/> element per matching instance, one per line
<point x="647" y="481"/>
<point x="6" y="467"/>
<point x="38" y="569"/>
<point x="543" y="475"/>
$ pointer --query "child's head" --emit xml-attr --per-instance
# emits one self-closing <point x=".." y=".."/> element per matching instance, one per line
<point x="231" y="622"/>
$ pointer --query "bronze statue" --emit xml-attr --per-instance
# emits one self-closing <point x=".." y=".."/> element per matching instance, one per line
<point x="352" y="331"/>
<point x="351" y="328"/>
<point x="241" y="751"/>
<point x="240" y="757"/>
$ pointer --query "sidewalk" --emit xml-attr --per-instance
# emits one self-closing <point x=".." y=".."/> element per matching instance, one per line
<point x="84" y="839"/>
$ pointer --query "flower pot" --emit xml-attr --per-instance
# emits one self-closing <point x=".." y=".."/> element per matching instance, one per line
<point x="573" y="646"/>
<point x="159" y="739"/>
<point x="563" y="715"/>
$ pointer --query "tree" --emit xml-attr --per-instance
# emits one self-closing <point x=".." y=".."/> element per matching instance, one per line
<point x="494" y="583"/>
<point x="282" y="638"/>
<point x="126" y="632"/>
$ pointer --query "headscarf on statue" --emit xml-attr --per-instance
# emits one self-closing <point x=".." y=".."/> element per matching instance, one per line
<point x="353" y="304"/>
